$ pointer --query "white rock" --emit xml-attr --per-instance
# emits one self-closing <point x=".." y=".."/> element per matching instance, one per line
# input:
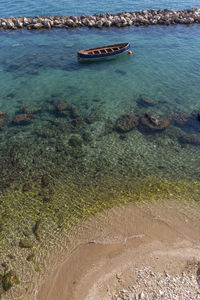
<point x="141" y="296"/>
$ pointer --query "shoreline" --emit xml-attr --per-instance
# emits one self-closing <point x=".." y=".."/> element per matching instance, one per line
<point x="164" y="237"/>
<point x="137" y="18"/>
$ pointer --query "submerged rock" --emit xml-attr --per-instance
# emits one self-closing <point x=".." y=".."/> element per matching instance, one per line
<point x="145" y="101"/>
<point x="25" y="243"/>
<point x="37" y="229"/>
<point x="198" y="116"/>
<point x="191" y="139"/>
<point x="30" y="257"/>
<point x="155" y="122"/>
<point x="75" y="113"/>
<point x="61" y="106"/>
<point x="3" y="118"/>
<point x="26" y="187"/>
<point x="28" y="110"/>
<point x="9" y="279"/>
<point x="179" y="117"/>
<point x="126" y="123"/>
<point x="78" y="122"/>
<point x="86" y="136"/>
<point x="92" y="118"/>
<point x="75" y="141"/>
<point x="62" y="110"/>
<point x="3" y="114"/>
<point x="23" y="119"/>
<point x="45" y="180"/>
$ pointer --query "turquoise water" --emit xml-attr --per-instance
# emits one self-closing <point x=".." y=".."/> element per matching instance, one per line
<point x="41" y="70"/>
<point x="165" y="65"/>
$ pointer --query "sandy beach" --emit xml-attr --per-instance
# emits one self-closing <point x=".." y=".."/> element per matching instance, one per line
<point x="155" y="240"/>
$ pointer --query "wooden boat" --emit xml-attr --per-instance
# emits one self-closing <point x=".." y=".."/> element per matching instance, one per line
<point x="103" y="52"/>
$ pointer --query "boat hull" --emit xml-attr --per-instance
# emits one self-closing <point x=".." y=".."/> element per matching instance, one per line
<point x="85" y="57"/>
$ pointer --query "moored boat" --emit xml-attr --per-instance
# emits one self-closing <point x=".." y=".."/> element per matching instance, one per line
<point x="103" y="52"/>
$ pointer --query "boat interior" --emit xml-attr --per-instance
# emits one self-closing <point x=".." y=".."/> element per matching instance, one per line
<point x="103" y="50"/>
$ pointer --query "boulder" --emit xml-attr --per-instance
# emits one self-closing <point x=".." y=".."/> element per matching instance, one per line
<point x="61" y="107"/>
<point x="8" y="279"/>
<point x="108" y="23"/>
<point x="70" y="23"/>
<point x="75" y="141"/>
<point x="146" y="101"/>
<point x="179" y="117"/>
<point x="155" y="122"/>
<point x="75" y="113"/>
<point x="35" y="26"/>
<point x="23" y="119"/>
<point x="198" y="115"/>
<point x="19" y="24"/>
<point x="191" y="139"/>
<point x="126" y="123"/>
<point x="99" y="24"/>
<point x="25" y="243"/>
<point x="37" y="229"/>
<point x="45" y="180"/>
<point x="3" y="118"/>
<point x="138" y="18"/>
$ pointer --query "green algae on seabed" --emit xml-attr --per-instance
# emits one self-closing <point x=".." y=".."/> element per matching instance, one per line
<point x="70" y="205"/>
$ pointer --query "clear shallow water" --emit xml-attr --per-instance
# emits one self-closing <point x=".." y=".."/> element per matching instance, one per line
<point x="38" y="70"/>
<point x="164" y="65"/>
<point x="77" y="7"/>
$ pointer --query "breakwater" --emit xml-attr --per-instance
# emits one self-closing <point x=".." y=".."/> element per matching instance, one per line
<point x="137" y="18"/>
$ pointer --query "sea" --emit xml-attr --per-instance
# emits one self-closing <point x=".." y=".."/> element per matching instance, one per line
<point x="68" y="161"/>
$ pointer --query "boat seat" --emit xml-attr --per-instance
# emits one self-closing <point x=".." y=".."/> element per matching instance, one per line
<point x="103" y="51"/>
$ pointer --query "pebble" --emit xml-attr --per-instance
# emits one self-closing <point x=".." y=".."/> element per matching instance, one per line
<point x="151" y="285"/>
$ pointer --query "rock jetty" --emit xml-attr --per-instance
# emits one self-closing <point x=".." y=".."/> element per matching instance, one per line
<point x="137" y="18"/>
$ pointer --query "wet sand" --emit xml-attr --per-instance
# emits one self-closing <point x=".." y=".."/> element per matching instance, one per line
<point x="162" y="235"/>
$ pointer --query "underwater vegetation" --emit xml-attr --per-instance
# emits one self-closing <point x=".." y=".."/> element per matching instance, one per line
<point x="62" y="162"/>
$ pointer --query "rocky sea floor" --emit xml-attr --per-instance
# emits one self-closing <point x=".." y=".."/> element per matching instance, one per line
<point x="79" y="163"/>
